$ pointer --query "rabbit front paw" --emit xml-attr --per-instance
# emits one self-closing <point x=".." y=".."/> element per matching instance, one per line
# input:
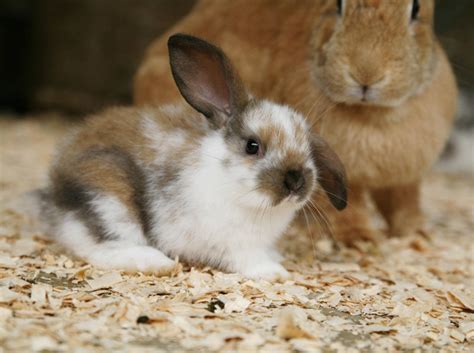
<point x="266" y="270"/>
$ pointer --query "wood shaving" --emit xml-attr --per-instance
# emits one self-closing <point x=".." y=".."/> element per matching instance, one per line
<point x="107" y="280"/>
<point x="404" y="294"/>
<point x="288" y="329"/>
<point x="459" y="300"/>
<point x="7" y="262"/>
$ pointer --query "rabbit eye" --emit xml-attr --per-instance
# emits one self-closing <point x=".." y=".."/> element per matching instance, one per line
<point x="252" y="147"/>
<point x="415" y="9"/>
<point x="339" y="7"/>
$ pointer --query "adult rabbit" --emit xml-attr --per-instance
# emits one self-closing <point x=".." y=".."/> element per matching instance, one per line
<point x="370" y="76"/>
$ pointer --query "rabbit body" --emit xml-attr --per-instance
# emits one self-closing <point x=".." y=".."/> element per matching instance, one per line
<point x="373" y="82"/>
<point x="148" y="186"/>
<point x="215" y="182"/>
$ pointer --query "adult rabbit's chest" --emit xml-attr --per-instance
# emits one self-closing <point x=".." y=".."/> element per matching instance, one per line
<point x="384" y="147"/>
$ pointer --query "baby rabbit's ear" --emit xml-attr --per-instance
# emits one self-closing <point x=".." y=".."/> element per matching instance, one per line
<point x="206" y="79"/>
<point x="331" y="172"/>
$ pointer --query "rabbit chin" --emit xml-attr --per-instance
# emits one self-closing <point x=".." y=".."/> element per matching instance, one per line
<point x="376" y="97"/>
<point x="293" y="201"/>
<point x="261" y="202"/>
<point x="371" y="100"/>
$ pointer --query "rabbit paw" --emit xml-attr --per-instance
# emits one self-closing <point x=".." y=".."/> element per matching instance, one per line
<point x="267" y="270"/>
<point x="132" y="259"/>
<point x="350" y="236"/>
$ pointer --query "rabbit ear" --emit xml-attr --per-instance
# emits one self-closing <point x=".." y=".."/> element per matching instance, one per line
<point x="331" y="172"/>
<point x="206" y="78"/>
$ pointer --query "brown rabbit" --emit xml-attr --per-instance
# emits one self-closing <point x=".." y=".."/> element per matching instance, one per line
<point x="370" y="76"/>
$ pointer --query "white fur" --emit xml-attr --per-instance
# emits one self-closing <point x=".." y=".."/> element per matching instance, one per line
<point x="73" y="234"/>
<point x="284" y="119"/>
<point x="153" y="133"/>
<point x="269" y="114"/>
<point x="116" y="219"/>
<point x="120" y="254"/>
<point x="219" y="218"/>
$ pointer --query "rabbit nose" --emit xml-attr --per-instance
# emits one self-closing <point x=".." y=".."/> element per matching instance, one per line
<point x="366" y="82"/>
<point x="294" y="180"/>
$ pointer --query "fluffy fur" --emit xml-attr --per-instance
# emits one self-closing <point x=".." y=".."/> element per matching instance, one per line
<point x="134" y="188"/>
<point x="374" y="82"/>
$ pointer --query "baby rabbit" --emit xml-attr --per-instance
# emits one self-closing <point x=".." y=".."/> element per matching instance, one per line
<point x="369" y="74"/>
<point x="215" y="182"/>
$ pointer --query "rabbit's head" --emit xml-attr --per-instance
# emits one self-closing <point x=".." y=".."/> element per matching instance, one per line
<point x="267" y="153"/>
<point x="377" y="52"/>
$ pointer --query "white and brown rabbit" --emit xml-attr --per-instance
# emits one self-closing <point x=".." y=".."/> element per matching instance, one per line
<point x="215" y="181"/>
<point x="370" y="75"/>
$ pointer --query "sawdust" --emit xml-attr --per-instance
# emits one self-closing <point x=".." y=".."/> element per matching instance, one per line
<point x="410" y="294"/>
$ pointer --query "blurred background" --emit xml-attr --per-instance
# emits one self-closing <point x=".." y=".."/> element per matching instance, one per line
<point x="77" y="56"/>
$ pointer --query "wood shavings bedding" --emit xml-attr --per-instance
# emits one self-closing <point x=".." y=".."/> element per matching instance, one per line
<point x="410" y="294"/>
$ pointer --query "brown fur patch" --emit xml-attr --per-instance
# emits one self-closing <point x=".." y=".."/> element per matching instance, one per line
<point x="99" y="171"/>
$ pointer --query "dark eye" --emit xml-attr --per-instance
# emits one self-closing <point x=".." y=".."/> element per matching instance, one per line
<point x="415" y="9"/>
<point x="339" y="7"/>
<point x="252" y="147"/>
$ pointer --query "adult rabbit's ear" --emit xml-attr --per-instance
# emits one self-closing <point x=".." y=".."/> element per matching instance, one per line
<point x="206" y="78"/>
<point x="331" y="172"/>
